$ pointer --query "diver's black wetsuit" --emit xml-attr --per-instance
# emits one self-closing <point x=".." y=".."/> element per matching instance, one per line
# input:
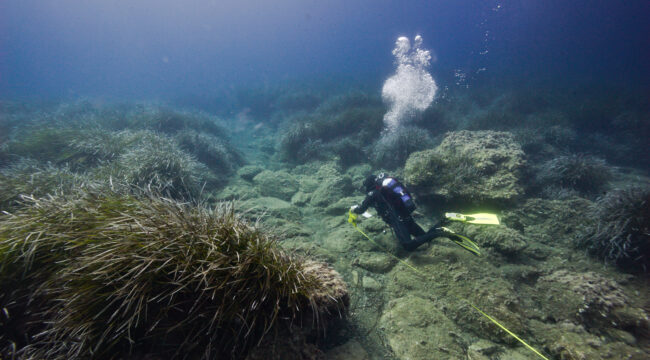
<point x="401" y="222"/>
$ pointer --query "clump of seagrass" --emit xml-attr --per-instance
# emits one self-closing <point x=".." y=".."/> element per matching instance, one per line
<point x="213" y="151"/>
<point x="159" y="163"/>
<point x="46" y="143"/>
<point x="580" y="173"/>
<point x="124" y="274"/>
<point x="621" y="229"/>
<point x="28" y="177"/>
<point x="4" y="157"/>
<point x="97" y="146"/>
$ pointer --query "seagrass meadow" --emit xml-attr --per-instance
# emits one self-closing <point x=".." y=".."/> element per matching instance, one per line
<point x="148" y="231"/>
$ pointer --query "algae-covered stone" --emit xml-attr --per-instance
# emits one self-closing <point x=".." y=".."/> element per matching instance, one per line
<point x="289" y="230"/>
<point x="507" y="241"/>
<point x="279" y="184"/>
<point x="568" y="341"/>
<point x="237" y="190"/>
<point x="330" y="185"/>
<point x="358" y="172"/>
<point x="342" y="206"/>
<point x="496" y="297"/>
<point x="370" y="284"/>
<point x="271" y="207"/>
<point x="590" y="299"/>
<point x="416" y="329"/>
<point x="331" y="190"/>
<point x="376" y="262"/>
<point x="300" y="198"/>
<point x="482" y="350"/>
<point x="341" y="240"/>
<point x="248" y="172"/>
<point x="308" y="184"/>
<point x="469" y="166"/>
<point x="520" y="273"/>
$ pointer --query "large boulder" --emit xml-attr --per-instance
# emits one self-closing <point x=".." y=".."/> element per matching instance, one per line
<point x="591" y="300"/>
<point x="470" y="166"/>
<point x="416" y="329"/>
<point x="279" y="184"/>
<point x="331" y="186"/>
<point x="565" y="340"/>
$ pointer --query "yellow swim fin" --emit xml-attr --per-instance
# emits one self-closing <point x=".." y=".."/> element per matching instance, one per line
<point x="482" y="218"/>
<point x="463" y="241"/>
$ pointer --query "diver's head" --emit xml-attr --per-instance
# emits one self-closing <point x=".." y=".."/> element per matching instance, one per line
<point x="369" y="182"/>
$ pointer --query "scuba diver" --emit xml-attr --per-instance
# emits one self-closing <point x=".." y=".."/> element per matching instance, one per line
<point x="394" y="204"/>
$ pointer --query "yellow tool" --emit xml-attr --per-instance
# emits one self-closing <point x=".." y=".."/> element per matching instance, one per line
<point x="481" y="219"/>
<point x="352" y="217"/>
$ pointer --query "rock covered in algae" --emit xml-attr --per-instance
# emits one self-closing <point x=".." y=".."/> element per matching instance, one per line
<point x="495" y="296"/>
<point x="469" y="166"/>
<point x="123" y="273"/>
<point x="501" y="238"/>
<point x="248" y="172"/>
<point x="271" y="207"/>
<point x="590" y="299"/>
<point x="331" y="186"/>
<point x="418" y="330"/>
<point x="572" y="342"/>
<point x="375" y="262"/>
<point x="482" y="350"/>
<point x="279" y="184"/>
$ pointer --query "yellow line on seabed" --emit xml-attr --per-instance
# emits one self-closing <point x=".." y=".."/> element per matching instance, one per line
<point x="475" y="308"/>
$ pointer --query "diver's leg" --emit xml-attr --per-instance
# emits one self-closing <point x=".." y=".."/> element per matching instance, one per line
<point x="414" y="228"/>
<point x="425" y="237"/>
<point x="402" y="232"/>
<point x="420" y="236"/>
<point x="400" y="228"/>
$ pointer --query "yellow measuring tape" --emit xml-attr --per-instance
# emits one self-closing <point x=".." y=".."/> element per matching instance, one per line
<point x="477" y="309"/>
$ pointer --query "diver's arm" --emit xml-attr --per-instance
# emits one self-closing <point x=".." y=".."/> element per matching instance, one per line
<point x="370" y="198"/>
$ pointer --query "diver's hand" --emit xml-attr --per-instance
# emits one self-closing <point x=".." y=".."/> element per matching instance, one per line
<point x="365" y="214"/>
<point x="352" y="216"/>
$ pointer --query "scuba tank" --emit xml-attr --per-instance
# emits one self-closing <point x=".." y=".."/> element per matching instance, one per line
<point x="395" y="192"/>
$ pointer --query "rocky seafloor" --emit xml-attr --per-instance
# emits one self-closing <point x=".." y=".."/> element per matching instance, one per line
<point x="531" y="277"/>
<point x="560" y="272"/>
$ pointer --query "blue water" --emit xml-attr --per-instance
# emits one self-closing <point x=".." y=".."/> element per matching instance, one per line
<point x="150" y="49"/>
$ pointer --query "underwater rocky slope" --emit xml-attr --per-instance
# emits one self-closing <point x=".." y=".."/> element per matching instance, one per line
<point x="565" y="270"/>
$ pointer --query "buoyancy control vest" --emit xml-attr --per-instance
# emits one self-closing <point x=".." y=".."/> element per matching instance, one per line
<point x="396" y="194"/>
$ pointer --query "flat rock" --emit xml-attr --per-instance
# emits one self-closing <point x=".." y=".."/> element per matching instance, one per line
<point x="248" y="172"/>
<point x="271" y="207"/>
<point x="417" y="330"/>
<point x="370" y="284"/>
<point x="279" y="184"/>
<point x="342" y="206"/>
<point x="375" y="262"/>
